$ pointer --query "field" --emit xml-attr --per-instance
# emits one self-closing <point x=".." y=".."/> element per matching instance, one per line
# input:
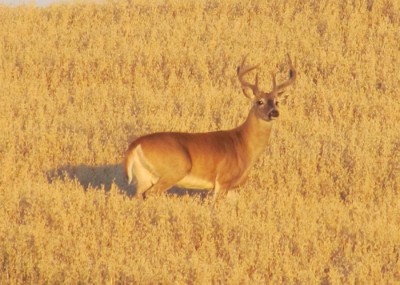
<point x="78" y="82"/>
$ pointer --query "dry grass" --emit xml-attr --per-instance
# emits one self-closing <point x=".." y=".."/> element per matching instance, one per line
<point x="79" y="82"/>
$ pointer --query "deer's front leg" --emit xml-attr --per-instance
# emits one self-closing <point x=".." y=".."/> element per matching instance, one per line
<point x="220" y="191"/>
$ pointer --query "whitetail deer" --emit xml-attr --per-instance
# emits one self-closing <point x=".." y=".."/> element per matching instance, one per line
<point x="218" y="160"/>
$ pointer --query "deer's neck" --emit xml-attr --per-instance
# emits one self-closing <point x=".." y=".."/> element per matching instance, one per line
<point x="254" y="134"/>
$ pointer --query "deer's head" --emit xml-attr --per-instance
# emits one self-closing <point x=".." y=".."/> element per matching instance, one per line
<point x="265" y="104"/>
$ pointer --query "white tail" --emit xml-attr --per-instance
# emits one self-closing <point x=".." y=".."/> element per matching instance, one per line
<point x="217" y="160"/>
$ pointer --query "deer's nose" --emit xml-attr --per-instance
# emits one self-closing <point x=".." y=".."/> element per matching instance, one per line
<point x="274" y="113"/>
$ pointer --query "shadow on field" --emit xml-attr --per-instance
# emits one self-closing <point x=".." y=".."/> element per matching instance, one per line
<point x="103" y="176"/>
<point x="97" y="177"/>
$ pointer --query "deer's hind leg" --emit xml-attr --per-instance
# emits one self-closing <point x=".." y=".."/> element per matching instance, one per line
<point x="162" y="185"/>
<point x="144" y="176"/>
<point x="169" y="179"/>
<point x="161" y="171"/>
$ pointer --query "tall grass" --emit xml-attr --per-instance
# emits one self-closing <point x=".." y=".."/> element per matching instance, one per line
<point x="78" y="82"/>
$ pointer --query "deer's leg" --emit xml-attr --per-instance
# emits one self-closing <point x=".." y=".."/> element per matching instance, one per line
<point x="163" y="184"/>
<point x="169" y="178"/>
<point x="220" y="191"/>
<point x="169" y="166"/>
<point x="145" y="179"/>
<point x="142" y="187"/>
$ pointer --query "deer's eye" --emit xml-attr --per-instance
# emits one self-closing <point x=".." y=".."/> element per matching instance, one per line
<point x="260" y="102"/>
<point x="276" y="104"/>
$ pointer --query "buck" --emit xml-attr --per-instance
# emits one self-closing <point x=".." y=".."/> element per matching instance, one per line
<point x="218" y="160"/>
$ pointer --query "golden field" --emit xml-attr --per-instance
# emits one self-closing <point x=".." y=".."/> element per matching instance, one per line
<point x="78" y="82"/>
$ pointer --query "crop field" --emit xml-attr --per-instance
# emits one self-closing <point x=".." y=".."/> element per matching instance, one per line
<point x="80" y="81"/>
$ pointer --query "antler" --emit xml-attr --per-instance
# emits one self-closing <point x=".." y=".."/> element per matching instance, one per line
<point x="292" y="77"/>
<point x="241" y="72"/>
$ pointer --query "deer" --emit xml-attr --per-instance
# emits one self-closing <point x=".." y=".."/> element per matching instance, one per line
<point x="216" y="161"/>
